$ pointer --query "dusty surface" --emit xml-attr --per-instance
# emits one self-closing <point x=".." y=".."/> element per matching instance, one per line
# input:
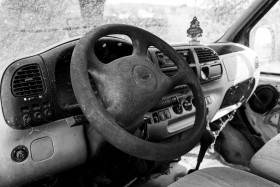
<point x="187" y="162"/>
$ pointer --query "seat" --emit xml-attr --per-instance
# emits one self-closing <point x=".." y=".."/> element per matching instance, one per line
<point x="266" y="162"/>
<point x="222" y="177"/>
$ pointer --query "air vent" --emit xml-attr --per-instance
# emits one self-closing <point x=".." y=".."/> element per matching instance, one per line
<point x="206" y="55"/>
<point x="28" y="81"/>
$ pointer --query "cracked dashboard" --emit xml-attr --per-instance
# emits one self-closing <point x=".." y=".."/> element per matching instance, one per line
<point x="37" y="90"/>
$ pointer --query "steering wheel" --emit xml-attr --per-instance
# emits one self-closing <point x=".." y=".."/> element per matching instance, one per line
<point x="129" y="87"/>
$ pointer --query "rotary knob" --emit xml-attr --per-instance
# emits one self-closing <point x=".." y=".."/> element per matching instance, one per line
<point x="26" y="119"/>
<point x="177" y="109"/>
<point x="19" y="153"/>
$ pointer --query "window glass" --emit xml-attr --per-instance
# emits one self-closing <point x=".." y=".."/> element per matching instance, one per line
<point x="265" y="40"/>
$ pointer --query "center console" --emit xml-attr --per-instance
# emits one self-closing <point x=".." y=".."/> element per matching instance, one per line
<point x="176" y="112"/>
<point x="173" y="114"/>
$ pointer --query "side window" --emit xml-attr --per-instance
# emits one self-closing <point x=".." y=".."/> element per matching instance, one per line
<point x="265" y="40"/>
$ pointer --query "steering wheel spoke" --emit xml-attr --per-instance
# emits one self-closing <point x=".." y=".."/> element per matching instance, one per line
<point x="140" y="45"/>
<point x="95" y="64"/>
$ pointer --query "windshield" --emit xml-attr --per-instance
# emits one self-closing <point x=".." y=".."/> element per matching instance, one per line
<point x="32" y="25"/>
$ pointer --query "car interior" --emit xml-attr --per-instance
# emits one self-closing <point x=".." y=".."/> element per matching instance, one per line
<point x="107" y="110"/>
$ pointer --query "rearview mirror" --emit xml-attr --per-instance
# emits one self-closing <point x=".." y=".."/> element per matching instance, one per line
<point x="262" y="42"/>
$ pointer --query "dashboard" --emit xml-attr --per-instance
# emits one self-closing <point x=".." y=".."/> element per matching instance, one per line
<point x="41" y="113"/>
<point x="37" y="90"/>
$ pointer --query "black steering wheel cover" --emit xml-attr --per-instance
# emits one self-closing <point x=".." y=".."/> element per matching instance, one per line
<point x="103" y="122"/>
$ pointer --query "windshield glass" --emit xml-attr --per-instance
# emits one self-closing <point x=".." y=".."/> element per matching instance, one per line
<point x="32" y="25"/>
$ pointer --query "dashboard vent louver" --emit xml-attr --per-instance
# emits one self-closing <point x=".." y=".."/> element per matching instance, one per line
<point x="27" y="81"/>
<point x="206" y="55"/>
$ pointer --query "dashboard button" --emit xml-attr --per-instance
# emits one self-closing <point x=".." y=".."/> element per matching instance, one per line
<point x="155" y="117"/>
<point x="167" y="114"/>
<point x="161" y="116"/>
<point x="208" y="100"/>
<point x="36" y="107"/>
<point x="25" y="109"/>
<point x="46" y="104"/>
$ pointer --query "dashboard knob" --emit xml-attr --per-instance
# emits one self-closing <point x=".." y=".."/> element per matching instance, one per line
<point x="187" y="105"/>
<point x="37" y="115"/>
<point x="48" y="112"/>
<point x="26" y="119"/>
<point x="19" y="153"/>
<point x="177" y="109"/>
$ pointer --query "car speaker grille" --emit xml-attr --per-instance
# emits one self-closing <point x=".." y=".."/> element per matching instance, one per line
<point x="206" y="55"/>
<point x="28" y="81"/>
